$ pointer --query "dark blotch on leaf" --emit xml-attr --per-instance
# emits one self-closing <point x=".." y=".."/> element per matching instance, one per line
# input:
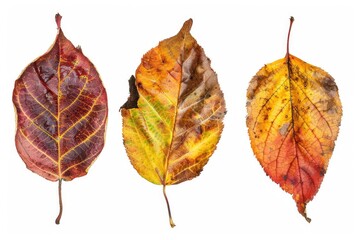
<point x="322" y="171"/>
<point x="134" y="95"/>
<point x="329" y="84"/>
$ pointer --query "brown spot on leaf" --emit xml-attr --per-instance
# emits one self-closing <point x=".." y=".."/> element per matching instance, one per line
<point x="305" y="84"/>
<point x="161" y="126"/>
<point x="293" y="181"/>
<point x="331" y="106"/>
<point x="329" y="84"/>
<point x="322" y="171"/>
<point x="199" y="130"/>
<point x="284" y="128"/>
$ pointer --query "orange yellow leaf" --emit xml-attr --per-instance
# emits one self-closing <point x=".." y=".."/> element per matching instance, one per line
<point x="294" y="114"/>
<point x="172" y="120"/>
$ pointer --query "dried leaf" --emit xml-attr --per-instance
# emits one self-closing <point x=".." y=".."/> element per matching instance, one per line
<point x="294" y="114"/>
<point x="61" y="108"/>
<point x="172" y="120"/>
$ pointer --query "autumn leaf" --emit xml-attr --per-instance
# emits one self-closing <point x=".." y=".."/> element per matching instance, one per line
<point x="172" y="120"/>
<point x="294" y="114"/>
<point x="61" y="109"/>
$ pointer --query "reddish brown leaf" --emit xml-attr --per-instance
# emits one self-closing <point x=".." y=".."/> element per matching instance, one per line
<point x="61" y="108"/>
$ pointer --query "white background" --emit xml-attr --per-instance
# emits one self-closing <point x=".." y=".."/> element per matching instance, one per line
<point x="232" y="197"/>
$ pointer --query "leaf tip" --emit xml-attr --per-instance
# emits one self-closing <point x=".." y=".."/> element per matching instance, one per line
<point x="302" y="211"/>
<point x="134" y="95"/>
<point x="187" y="26"/>
<point x="306" y="217"/>
<point x="58" y="20"/>
<point x="79" y="48"/>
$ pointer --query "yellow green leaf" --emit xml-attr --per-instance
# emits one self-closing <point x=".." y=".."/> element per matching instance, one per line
<point x="172" y="120"/>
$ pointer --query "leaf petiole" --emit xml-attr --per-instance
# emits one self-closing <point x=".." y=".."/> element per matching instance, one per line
<point x="288" y="37"/>
<point x="172" y="224"/>
<point x="57" y="221"/>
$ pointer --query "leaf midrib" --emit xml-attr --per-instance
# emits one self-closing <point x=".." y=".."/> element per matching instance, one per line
<point x="175" y="115"/>
<point x="58" y="106"/>
<point x="288" y="63"/>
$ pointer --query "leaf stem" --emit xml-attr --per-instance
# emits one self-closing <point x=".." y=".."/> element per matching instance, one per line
<point x="172" y="224"/>
<point x="57" y="221"/>
<point x="58" y="20"/>
<point x="288" y="37"/>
